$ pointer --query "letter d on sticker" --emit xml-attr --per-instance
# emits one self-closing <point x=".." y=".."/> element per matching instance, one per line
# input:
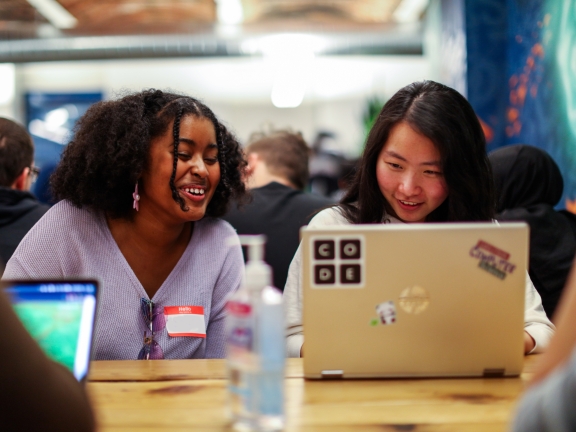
<point x="324" y="274"/>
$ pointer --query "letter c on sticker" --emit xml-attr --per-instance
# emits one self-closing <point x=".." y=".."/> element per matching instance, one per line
<point x="323" y="250"/>
<point x="325" y="274"/>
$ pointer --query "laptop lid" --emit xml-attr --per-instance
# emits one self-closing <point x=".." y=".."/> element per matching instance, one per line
<point x="407" y="300"/>
<point x="60" y="315"/>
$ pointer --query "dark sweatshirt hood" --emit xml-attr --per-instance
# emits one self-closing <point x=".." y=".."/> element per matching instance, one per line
<point x="14" y="204"/>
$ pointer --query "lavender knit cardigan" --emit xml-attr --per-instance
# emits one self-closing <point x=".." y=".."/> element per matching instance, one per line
<point x="72" y="242"/>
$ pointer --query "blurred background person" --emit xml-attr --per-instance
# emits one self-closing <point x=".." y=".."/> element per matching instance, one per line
<point x="19" y="209"/>
<point x="325" y="164"/>
<point x="277" y="174"/>
<point x="548" y="405"/>
<point x="528" y="186"/>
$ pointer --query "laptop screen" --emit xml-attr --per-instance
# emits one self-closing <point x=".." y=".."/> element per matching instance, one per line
<point x="60" y="317"/>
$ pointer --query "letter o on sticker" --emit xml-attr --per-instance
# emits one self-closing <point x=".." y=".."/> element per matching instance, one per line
<point x="350" y="249"/>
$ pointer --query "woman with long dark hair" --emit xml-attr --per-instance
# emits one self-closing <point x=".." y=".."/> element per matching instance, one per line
<point x="425" y="161"/>
<point x="141" y="186"/>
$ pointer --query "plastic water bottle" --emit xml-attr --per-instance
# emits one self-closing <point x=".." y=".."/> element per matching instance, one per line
<point x="255" y="346"/>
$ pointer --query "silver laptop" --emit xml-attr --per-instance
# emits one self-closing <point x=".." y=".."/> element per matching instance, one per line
<point x="418" y="300"/>
<point x="60" y="316"/>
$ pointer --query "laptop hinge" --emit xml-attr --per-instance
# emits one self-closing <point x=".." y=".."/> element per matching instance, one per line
<point x="332" y="374"/>
<point x="493" y="372"/>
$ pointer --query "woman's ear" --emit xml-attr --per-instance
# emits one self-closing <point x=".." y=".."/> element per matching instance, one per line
<point x="22" y="182"/>
<point x="252" y="159"/>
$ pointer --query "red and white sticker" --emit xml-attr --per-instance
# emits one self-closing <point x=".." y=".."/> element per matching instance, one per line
<point x="185" y="321"/>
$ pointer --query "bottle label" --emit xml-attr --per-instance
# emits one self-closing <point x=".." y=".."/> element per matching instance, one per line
<point x="240" y="335"/>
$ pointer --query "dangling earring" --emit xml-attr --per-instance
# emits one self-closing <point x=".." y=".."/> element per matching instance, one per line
<point x="136" y="197"/>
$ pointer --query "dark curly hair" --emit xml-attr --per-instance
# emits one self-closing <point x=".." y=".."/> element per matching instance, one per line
<point x="444" y="116"/>
<point x="110" y="148"/>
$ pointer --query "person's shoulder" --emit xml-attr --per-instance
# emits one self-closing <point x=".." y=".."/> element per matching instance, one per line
<point x="315" y="199"/>
<point x="217" y="236"/>
<point x="215" y="225"/>
<point x="65" y="211"/>
<point x="64" y="218"/>
<point x="329" y="216"/>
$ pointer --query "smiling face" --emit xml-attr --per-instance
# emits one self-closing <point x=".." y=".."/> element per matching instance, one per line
<point x="197" y="172"/>
<point x="409" y="174"/>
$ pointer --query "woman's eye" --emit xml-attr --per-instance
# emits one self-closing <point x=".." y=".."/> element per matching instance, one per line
<point x="183" y="156"/>
<point x="211" y="161"/>
<point x="394" y="165"/>
<point x="434" y="173"/>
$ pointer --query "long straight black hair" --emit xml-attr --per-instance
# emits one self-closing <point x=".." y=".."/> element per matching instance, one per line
<point x="446" y="118"/>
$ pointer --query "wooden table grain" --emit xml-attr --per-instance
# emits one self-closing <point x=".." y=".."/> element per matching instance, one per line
<point x="188" y="395"/>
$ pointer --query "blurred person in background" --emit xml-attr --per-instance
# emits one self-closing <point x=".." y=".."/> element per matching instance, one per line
<point x="549" y="404"/>
<point x="38" y="394"/>
<point x="141" y="186"/>
<point x="325" y="165"/>
<point x="347" y="172"/>
<point x="19" y="209"/>
<point x="528" y="186"/>
<point x="277" y="174"/>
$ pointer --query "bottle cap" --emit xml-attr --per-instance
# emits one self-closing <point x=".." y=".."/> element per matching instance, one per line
<point x="258" y="273"/>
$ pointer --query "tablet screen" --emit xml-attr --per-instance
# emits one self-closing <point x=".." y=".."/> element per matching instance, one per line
<point x="60" y="317"/>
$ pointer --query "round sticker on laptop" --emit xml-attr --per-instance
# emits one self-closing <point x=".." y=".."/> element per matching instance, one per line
<point x="414" y="299"/>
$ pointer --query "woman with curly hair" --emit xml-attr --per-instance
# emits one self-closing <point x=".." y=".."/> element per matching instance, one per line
<point x="141" y="186"/>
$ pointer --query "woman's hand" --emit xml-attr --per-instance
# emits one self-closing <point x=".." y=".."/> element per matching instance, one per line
<point x="529" y="343"/>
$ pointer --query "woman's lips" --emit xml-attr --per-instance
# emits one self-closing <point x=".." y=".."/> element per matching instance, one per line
<point x="408" y="205"/>
<point x="194" y="193"/>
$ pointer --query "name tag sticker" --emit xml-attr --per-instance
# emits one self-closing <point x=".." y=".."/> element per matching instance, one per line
<point x="185" y="321"/>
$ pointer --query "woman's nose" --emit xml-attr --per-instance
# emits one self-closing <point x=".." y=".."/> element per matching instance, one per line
<point x="409" y="185"/>
<point x="198" y="167"/>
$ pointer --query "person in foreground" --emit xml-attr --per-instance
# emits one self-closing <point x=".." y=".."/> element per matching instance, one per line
<point x="38" y="394"/>
<point x="277" y="174"/>
<point x="19" y="209"/>
<point x="425" y="161"/>
<point x="548" y="405"/>
<point x="528" y="185"/>
<point x="141" y="186"/>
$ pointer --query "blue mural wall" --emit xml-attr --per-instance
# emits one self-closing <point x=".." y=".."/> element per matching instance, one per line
<point x="486" y="37"/>
<point x="541" y="84"/>
<point x="520" y="80"/>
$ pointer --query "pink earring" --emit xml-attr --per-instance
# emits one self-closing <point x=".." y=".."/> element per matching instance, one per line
<point x="136" y="198"/>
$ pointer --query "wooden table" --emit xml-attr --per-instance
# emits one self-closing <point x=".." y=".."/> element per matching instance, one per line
<point x="191" y="395"/>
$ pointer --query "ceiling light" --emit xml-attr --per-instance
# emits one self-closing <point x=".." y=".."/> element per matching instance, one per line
<point x="229" y="11"/>
<point x="409" y="11"/>
<point x="288" y="90"/>
<point x="55" y="13"/>
<point x="7" y="75"/>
